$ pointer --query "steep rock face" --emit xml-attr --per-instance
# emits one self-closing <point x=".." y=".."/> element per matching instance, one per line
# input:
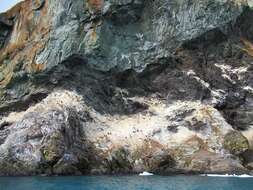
<point x="102" y="86"/>
<point x="48" y="32"/>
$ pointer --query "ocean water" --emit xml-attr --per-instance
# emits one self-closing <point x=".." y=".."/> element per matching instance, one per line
<point x="126" y="183"/>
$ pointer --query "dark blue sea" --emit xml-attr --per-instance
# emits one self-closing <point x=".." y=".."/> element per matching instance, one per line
<point x="126" y="183"/>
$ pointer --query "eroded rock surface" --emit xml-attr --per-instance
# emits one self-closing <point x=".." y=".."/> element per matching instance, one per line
<point x="102" y="86"/>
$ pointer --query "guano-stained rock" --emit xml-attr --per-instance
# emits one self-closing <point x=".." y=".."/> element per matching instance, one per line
<point x="111" y="86"/>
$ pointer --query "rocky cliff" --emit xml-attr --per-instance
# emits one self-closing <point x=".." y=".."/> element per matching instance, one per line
<point x="125" y="86"/>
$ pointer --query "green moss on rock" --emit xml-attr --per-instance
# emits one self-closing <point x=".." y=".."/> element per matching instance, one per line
<point x="119" y="161"/>
<point x="236" y="143"/>
<point x="54" y="150"/>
